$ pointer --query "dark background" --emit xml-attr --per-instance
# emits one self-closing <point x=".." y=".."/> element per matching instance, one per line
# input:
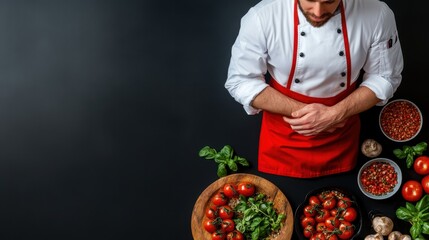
<point x="105" y="104"/>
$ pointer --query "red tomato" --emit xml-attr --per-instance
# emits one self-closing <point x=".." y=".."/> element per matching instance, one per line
<point x="230" y="191"/>
<point x="332" y="237"/>
<point x="349" y="214"/>
<point x="227" y="225"/>
<point x="210" y="225"/>
<point x="305" y="221"/>
<point x="421" y="165"/>
<point x="310" y="210"/>
<point x="309" y="231"/>
<point x="334" y="212"/>
<point x="246" y="189"/>
<point x="218" y="235"/>
<point x="318" y="236"/>
<point x="325" y="195"/>
<point x="211" y="212"/>
<point x="425" y="183"/>
<point x="219" y="199"/>
<point x="332" y="222"/>
<point x="314" y="200"/>
<point x="226" y="212"/>
<point x="412" y="191"/>
<point x="322" y="215"/>
<point x="347" y="230"/>
<point x="321" y="227"/>
<point x="235" y="235"/>
<point x="329" y="203"/>
<point x="344" y="202"/>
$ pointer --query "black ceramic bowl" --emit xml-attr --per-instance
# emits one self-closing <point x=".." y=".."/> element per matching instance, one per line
<point x="299" y="213"/>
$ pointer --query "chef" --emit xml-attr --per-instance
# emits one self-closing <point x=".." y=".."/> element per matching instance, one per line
<point x="310" y="67"/>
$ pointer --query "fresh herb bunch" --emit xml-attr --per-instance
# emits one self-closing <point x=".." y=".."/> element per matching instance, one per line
<point x="409" y="153"/>
<point x="257" y="218"/>
<point x="417" y="215"/>
<point x="225" y="158"/>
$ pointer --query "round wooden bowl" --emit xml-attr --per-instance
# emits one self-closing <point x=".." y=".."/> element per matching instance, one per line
<point x="281" y="204"/>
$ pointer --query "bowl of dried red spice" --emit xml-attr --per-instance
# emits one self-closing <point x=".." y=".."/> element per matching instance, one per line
<point x="379" y="178"/>
<point x="400" y="120"/>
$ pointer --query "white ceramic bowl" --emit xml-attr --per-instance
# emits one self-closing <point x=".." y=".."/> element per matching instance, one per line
<point x="379" y="163"/>
<point x="400" y="120"/>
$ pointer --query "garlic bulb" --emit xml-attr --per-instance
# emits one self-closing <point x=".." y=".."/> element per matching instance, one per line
<point x="371" y="148"/>
<point x="382" y="225"/>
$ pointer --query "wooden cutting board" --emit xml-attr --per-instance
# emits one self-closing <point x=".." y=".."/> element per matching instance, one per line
<point x="281" y="204"/>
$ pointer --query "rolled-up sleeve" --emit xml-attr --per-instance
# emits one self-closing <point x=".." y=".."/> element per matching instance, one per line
<point x="248" y="64"/>
<point x="384" y="62"/>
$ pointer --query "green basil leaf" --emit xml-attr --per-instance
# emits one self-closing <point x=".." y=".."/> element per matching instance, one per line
<point x="423" y="203"/>
<point x="425" y="228"/>
<point x="242" y="161"/>
<point x="399" y="153"/>
<point x="221" y="170"/>
<point x="207" y="152"/>
<point x="411" y="207"/>
<point x="424" y="217"/>
<point x="227" y="151"/>
<point x="232" y="165"/>
<point x="416" y="230"/>
<point x="255" y="234"/>
<point x="410" y="161"/>
<point x="404" y="214"/>
<point x="420" y="148"/>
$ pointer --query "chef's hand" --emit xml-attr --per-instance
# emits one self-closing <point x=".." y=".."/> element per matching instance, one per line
<point x="314" y="119"/>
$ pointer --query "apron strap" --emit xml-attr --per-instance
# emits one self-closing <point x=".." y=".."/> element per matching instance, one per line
<point x="295" y="44"/>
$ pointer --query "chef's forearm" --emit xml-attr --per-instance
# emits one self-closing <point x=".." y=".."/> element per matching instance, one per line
<point x="273" y="101"/>
<point x="360" y="100"/>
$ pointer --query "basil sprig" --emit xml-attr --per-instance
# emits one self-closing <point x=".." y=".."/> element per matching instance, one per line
<point x="408" y="152"/>
<point x="257" y="218"/>
<point x="417" y="215"/>
<point x="225" y="158"/>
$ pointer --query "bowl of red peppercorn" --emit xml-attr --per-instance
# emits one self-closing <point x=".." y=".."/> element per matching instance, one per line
<point x="400" y="120"/>
<point x="379" y="178"/>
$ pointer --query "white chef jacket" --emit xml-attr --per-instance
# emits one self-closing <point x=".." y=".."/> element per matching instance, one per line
<point x="265" y="43"/>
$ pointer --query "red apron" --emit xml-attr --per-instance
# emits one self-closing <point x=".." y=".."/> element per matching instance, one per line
<point x="283" y="151"/>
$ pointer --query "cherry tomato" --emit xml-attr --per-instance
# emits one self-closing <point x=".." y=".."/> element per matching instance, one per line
<point x="211" y="212"/>
<point x="314" y="200"/>
<point x="349" y="214"/>
<point x="235" y="235"/>
<point x="322" y="215"/>
<point x="227" y="225"/>
<point x="332" y="222"/>
<point x="226" y="212"/>
<point x="347" y="230"/>
<point x="344" y="202"/>
<point x="229" y="190"/>
<point x="425" y="183"/>
<point x="331" y="237"/>
<point x="305" y="221"/>
<point x="218" y="235"/>
<point x="318" y="236"/>
<point x="246" y="189"/>
<point x="334" y="212"/>
<point x="421" y="165"/>
<point x="325" y="195"/>
<point x="310" y="210"/>
<point x="321" y="227"/>
<point x="219" y="199"/>
<point x="309" y="231"/>
<point x="412" y="191"/>
<point x="329" y="203"/>
<point x="210" y="225"/>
